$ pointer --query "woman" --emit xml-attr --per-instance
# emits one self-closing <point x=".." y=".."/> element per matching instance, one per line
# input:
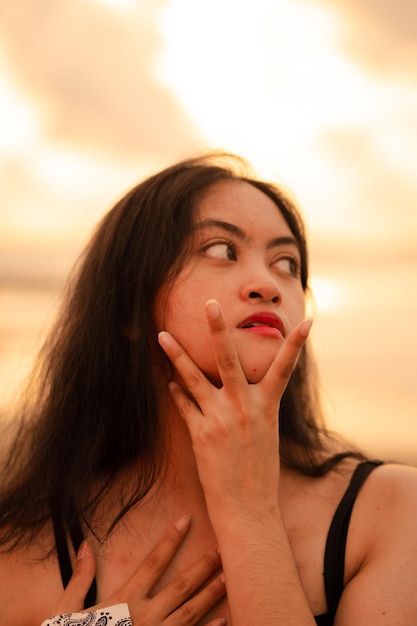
<point x="178" y="381"/>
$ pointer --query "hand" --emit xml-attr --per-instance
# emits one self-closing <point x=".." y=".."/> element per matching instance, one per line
<point x="234" y="429"/>
<point x="171" y="606"/>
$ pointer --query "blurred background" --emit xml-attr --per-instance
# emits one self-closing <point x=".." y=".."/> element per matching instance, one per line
<point x="319" y="95"/>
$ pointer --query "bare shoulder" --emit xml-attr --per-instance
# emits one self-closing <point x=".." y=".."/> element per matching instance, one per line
<point x="382" y="551"/>
<point x="395" y="475"/>
<point x="385" y="514"/>
<point x="391" y="490"/>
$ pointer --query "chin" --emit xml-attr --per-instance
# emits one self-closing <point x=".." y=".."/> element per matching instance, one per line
<point x="255" y="377"/>
<point x="256" y="368"/>
<point x="254" y="371"/>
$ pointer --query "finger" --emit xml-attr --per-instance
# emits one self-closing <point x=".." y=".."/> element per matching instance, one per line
<point x="158" y="559"/>
<point x="186" y="583"/>
<point x="285" y="361"/>
<point x="188" y="410"/>
<point x="192" y="611"/>
<point x="227" y="360"/>
<point x="194" y="379"/>
<point x="74" y="595"/>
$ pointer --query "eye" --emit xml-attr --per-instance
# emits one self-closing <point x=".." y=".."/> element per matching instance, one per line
<point x="220" y="250"/>
<point x="287" y="265"/>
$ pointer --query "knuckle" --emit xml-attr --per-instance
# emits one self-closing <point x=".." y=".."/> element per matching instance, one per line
<point x="228" y="361"/>
<point x="188" y="614"/>
<point x="218" y="326"/>
<point x="287" y="370"/>
<point x="153" y="563"/>
<point x="176" y="356"/>
<point x="183" y="586"/>
<point x="194" y="381"/>
<point x="209" y="435"/>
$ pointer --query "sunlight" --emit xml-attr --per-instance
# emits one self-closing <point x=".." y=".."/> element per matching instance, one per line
<point x="118" y="5"/>
<point x="289" y="98"/>
<point x="22" y="123"/>
<point x="328" y="295"/>
<point x="270" y="45"/>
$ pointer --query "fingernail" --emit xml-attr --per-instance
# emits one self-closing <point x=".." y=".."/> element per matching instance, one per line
<point x="213" y="308"/>
<point x="218" y="622"/>
<point x="305" y="327"/>
<point x="182" y="523"/>
<point x="172" y="386"/>
<point x="83" y="550"/>
<point x="165" y="339"/>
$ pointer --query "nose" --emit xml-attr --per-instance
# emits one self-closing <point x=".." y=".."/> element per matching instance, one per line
<point x="261" y="288"/>
<point x="260" y="296"/>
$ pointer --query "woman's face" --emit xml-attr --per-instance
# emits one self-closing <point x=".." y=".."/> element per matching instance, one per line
<point x="245" y="257"/>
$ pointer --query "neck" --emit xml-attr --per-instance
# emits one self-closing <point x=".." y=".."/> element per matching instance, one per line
<point x="180" y="487"/>
<point x="177" y="490"/>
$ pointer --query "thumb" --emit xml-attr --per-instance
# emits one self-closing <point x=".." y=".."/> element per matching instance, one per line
<point x="74" y="595"/>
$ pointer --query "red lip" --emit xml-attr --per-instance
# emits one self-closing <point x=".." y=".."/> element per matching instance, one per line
<point x="263" y="319"/>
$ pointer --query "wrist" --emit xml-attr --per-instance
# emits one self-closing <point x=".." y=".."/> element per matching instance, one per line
<point x="236" y="522"/>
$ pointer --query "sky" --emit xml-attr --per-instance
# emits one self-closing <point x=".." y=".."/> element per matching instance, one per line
<point x="319" y="95"/>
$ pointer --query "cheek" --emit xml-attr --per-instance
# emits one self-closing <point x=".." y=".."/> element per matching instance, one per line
<point x="184" y="305"/>
<point x="173" y="306"/>
<point x="183" y="314"/>
<point x="298" y="305"/>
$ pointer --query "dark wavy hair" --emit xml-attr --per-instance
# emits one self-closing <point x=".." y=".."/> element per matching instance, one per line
<point x="92" y="406"/>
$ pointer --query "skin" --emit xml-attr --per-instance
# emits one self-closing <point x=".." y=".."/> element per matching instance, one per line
<point x="172" y="606"/>
<point x="255" y="269"/>
<point x="224" y="472"/>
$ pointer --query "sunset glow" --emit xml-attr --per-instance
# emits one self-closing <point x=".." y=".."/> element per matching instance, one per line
<point x="320" y="97"/>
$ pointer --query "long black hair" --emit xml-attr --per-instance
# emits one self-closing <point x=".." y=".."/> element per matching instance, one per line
<point x="92" y="405"/>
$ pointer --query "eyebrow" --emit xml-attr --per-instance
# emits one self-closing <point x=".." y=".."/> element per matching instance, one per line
<point x="238" y="232"/>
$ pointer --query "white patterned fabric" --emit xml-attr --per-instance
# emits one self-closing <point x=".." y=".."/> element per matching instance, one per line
<point x="116" y="615"/>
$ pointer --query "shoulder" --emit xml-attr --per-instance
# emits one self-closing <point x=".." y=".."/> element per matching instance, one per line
<point x="381" y="570"/>
<point x="386" y="507"/>
<point x="390" y="491"/>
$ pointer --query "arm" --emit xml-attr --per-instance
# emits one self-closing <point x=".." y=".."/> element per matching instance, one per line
<point x="384" y="525"/>
<point x="234" y="431"/>
<point x="173" y="606"/>
<point x="235" y="442"/>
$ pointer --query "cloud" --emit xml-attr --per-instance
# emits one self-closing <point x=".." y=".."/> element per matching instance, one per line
<point x="91" y="72"/>
<point x="378" y="196"/>
<point x="380" y="34"/>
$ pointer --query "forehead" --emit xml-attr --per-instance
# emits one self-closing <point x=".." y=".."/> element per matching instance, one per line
<point x="240" y="203"/>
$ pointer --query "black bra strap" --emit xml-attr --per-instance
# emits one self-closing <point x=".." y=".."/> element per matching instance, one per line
<point x="61" y="545"/>
<point x="64" y="558"/>
<point x="77" y="538"/>
<point x="334" y="557"/>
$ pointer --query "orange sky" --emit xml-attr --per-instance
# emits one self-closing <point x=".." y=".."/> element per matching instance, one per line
<point x="320" y="95"/>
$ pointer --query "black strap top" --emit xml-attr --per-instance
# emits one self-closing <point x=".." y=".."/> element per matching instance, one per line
<point x="64" y="558"/>
<point x="334" y="557"/>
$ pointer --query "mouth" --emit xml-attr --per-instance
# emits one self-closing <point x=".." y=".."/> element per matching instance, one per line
<point x="263" y="323"/>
